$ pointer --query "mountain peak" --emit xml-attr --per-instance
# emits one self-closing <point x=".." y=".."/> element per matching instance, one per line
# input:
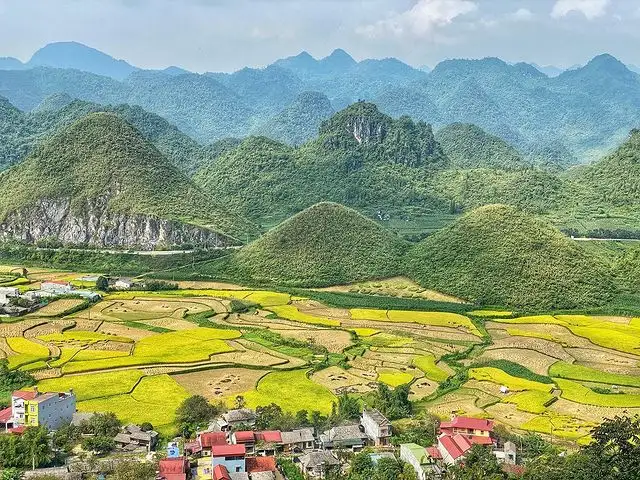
<point x="80" y="57"/>
<point x="338" y="60"/>
<point x="606" y="62"/>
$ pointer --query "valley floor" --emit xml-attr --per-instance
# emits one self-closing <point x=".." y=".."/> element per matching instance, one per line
<point x="140" y="354"/>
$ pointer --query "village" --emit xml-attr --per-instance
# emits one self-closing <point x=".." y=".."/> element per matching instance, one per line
<point x="232" y="448"/>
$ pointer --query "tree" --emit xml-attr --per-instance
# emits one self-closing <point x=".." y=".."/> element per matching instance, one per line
<point x="134" y="470"/>
<point x="65" y="438"/>
<point x="479" y="464"/>
<point x="302" y="418"/>
<point x="239" y="402"/>
<point x="348" y="407"/>
<point x="421" y="431"/>
<point x="195" y="412"/>
<point x="35" y="443"/>
<point x="99" y="444"/>
<point x="146" y="427"/>
<point x="11" y="474"/>
<point x="394" y="403"/>
<point x="362" y="465"/>
<point x="615" y="450"/>
<point x="102" y="283"/>
<point x="104" y="424"/>
<point x="387" y="469"/>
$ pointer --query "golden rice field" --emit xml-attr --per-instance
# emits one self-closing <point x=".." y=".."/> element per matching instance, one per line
<point x="139" y="354"/>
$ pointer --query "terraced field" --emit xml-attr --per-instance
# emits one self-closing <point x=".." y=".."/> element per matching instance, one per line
<point x="139" y="354"/>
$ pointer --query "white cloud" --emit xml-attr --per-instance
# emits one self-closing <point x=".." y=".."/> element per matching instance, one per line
<point x="522" y="15"/>
<point x="589" y="8"/>
<point x="421" y="19"/>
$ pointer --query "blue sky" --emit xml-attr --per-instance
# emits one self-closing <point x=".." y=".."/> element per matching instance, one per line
<point x="224" y="35"/>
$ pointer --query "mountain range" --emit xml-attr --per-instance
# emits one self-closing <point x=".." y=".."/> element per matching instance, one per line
<point x="576" y="115"/>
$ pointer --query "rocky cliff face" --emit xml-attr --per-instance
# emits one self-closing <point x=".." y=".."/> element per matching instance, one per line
<point x="94" y="225"/>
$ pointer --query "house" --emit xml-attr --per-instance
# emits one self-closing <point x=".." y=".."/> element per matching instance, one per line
<point x="6" y="419"/>
<point x="376" y="426"/>
<point x="56" y="287"/>
<point x="51" y="410"/>
<point x="267" y="442"/>
<point x="10" y="292"/>
<point x="220" y="472"/>
<point x="298" y="440"/>
<point x="420" y="459"/>
<point x="318" y="464"/>
<point x="344" y="436"/>
<point x="508" y="454"/>
<point x="260" y="464"/>
<point x="232" y="457"/>
<point x="88" y="295"/>
<point x="134" y="438"/>
<point x="476" y="429"/>
<point x="206" y="441"/>
<point x="234" y="418"/>
<point x="453" y="448"/>
<point x="123" y="284"/>
<point x="173" y="468"/>
<point x="246" y="438"/>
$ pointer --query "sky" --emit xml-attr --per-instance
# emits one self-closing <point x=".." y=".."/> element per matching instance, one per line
<point x="226" y="35"/>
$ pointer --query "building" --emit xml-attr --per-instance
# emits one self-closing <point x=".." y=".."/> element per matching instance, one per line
<point x="232" y="457"/>
<point x="56" y="287"/>
<point x="267" y="442"/>
<point x="255" y="465"/>
<point x="234" y="418"/>
<point x="123" y="284"/>
<point x="376" y="426"/>
<point x="208" y="440"/>
<point x="246" y="438"/>
<point x="478" y="430"/>
<point x="51" y="410"/>
<point x="298" y="440"/>
<point x="6" y="419"/>
<point x="7" y="293"/>
<point x="508" y="454"/>
<point x="318" y="464"/>
<point x="220" y="472"/>
<point x="343" y="437"/>
<point x="173" y="468"/>
<point x="133" y="438"/>
<point x="422" y="462"/>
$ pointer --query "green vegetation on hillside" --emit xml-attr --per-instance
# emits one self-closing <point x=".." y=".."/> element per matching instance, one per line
<point x="497" y="255"/>
<point x="468" y="146"/>
<point x="102" y="159"/>
<point x="327" y="244"/>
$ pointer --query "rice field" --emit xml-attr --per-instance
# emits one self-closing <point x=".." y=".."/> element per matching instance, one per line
<point x="293" y="391"/>
<point x="59" y="307"/>
<point x="117" y="356"/>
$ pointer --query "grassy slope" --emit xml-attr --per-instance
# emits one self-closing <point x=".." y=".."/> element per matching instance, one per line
<point x="327" y="244"/>
<point x="102" y="154"/>
<point x="498" y="255"/>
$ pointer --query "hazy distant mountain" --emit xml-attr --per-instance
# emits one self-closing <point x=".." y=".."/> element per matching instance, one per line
<point x="80" y="57"/>
<point x="549" y="70"/>
<point x="10" y="63"/>
<point x="633" y="68"/>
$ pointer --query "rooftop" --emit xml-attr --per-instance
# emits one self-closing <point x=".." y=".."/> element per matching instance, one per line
<point x="269" y="436"/>
<point x="260" y="464"/>
<point x="297" y="436"/>
<point x="418" y="452"/>
<point x="245" y="436"/>
<point x="173" y="466"/>
<point x="316" y="459"/>
<point x="239" y="415"/>
<point x="228" y="450"/>
<point x="345" y="432"/>
<point x="208" y="439"/>
<point x="378" y="417"/>
<point x="470" y="423"/>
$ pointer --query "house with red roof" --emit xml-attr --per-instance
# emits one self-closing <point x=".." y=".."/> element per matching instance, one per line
<point x="173" y="468"/>
<point x="232" y="457"/>
<point x="260" y="464"/>
<point x="207" y="440"/>
<point x="470" y="428"/>
<point x="6" y="419"/>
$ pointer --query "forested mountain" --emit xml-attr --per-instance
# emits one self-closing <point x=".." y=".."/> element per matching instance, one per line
<point x="20" y="132"/>
<point x="578" y="114"/>
<point x="497" y="255"/>
<point x="327" y="244"/>
<point x="100" y="182"/>
<point x="361" y="158"/>
<point x="299" y="121"/>
<point x="468" y="146"/>
<point x="613" y="181"/>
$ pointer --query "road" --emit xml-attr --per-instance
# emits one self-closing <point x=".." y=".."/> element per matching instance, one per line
<point x="585" y="239"/>
<point x="148" y="253"/>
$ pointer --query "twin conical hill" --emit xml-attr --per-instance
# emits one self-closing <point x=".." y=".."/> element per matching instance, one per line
<point x="498" y="255"/>
<point x="102" y="165"/>
<point x="327" y="244"/>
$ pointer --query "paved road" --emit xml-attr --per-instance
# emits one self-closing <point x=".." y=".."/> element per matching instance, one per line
<point x="584" y="239"/>
<point x="149" y="253"/>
